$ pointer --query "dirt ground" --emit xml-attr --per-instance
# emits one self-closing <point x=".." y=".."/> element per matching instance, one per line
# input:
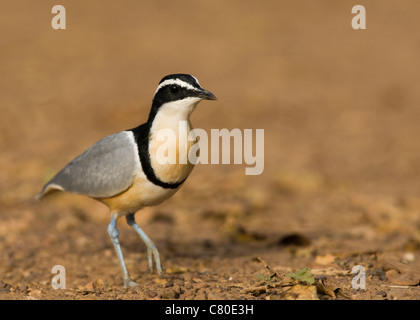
<point x="340" y="112"/>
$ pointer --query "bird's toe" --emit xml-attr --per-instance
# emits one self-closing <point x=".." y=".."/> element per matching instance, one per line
<point x="128" y="283"/>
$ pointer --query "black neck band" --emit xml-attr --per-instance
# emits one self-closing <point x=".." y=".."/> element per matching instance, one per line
<point x="141" y="135"/>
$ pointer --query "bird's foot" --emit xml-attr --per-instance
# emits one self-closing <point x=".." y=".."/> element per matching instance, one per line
<point x="152" y="252"/>
<point x="128" y="283"/>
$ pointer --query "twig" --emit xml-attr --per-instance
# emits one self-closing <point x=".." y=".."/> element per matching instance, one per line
<point x="264" y="288"/>
<point x="403" y="287"/>
<point x="272" y="272"/>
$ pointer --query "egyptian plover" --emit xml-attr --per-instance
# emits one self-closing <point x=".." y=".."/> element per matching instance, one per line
<point x="122" y="171"/>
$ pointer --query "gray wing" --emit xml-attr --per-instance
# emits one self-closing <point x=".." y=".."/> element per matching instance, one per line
<point x="105" y="169"/>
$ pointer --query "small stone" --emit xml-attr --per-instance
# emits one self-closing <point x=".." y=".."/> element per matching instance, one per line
<point x="22" y="288"/>
<point x="188" y="286"/>
<point x="98" y="283"/>
<point x="151" y="294"/>
<point x="160" y="281"/>
<point x="35" y="293"/>
<point x="201" y="295"/>
<point x="301" y="292"/>
<point x="170" y="294"/>
<point x="179" y="282"/>
<point x="409" y="257"/>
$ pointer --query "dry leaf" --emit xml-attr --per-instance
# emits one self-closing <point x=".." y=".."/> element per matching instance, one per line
<point x="404" y="279"/>
<point x="176" y="269"/>
<point x="323" y="288"/>
<point x="325" y="260"/>
<point x="330" y="272"/>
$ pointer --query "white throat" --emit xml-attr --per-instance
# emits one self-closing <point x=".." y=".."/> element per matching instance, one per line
<point x="171" y="113"/>
<point x="170" y="130"/>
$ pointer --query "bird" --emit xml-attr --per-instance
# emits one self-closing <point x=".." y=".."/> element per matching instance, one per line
<point x="122" y="170"/>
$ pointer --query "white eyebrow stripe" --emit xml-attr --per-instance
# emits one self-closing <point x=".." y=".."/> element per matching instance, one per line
<point x="196" y="80"/>
<point x="175" y="81"/>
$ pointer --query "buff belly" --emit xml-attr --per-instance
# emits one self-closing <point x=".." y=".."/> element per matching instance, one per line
<point x="142" y="193"/>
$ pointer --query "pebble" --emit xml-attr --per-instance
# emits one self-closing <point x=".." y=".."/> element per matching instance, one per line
<point x="409" y="257"/>
<point x="170" y="294"/>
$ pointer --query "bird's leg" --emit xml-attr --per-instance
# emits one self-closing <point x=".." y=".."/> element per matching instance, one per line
<point x="152" y="251"/>
<point x="113" y="234"/>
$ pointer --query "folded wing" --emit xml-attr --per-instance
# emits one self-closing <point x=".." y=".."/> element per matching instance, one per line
<point x="106" y="169"/>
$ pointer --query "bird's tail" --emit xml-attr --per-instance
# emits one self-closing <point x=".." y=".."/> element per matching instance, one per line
<point x="47" y="189"/>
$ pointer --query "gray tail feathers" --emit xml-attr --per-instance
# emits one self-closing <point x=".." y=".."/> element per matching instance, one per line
<point x="39" y="195"/>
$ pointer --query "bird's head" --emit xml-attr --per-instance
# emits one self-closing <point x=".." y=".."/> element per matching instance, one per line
<point x="178" y="93"/>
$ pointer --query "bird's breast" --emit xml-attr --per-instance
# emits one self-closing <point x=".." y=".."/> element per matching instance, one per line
<point x="169" y="147"/>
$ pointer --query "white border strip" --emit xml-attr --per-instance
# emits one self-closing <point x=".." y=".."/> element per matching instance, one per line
<point x="175" y="81"/>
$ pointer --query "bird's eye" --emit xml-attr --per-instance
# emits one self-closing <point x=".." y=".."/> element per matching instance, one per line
<point x="174" y="89"/>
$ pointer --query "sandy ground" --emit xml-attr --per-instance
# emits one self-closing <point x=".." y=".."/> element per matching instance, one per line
<point x="340" y="110"/>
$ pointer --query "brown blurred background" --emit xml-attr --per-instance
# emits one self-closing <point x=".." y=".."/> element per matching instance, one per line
<point x="340" y="110"/>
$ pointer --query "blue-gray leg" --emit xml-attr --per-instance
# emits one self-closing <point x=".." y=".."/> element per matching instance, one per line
<point x="114" y="234"/>
<point x="152" y="251"/>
